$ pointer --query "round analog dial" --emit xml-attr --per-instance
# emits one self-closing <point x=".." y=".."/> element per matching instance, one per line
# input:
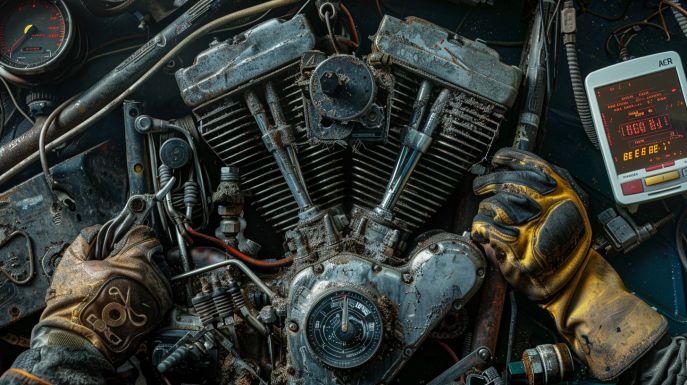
<point x="344" y="328"/>
<point x="33" y="33"/>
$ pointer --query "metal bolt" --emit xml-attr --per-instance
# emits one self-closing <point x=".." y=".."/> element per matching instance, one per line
<point x="408" y="352"/>
<point x="480" y="271"/>
<point x="319" y="269"/>
<point x="144" y="123"/>
<point x="484" y="354"/>
<point x="293" y="326"/>
<point x="407" y="278"/>
<point x="137" y="205"/>
<point x="138" y="168"/>
<point x="457" y="305"/>
<point x="376" y="268"/>
<point x="434" y="248"/>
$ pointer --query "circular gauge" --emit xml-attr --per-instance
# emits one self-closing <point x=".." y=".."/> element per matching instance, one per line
<point x="344" y="328"/>
<point x="39" y="37"/>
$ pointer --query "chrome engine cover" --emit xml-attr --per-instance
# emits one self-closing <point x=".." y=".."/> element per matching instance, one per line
<point x="443" y="272"/>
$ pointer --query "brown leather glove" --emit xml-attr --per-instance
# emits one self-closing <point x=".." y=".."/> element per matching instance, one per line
<point x="538" y="229"/>
<point x="113" y="303"/>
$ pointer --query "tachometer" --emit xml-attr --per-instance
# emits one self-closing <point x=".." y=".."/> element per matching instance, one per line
<point x="344" y="328"/>
<point x="38" y="37"/>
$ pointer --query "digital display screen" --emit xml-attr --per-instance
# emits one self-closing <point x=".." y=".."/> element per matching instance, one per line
<point x="645" y="120"/>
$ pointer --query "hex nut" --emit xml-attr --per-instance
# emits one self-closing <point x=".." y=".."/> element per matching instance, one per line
<point x="230" y="226"/>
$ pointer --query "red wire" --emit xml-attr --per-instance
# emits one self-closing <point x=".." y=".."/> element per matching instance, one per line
<point x="354" y="33"/>
<point x="125" y="38"/>
<point x="448" y="350"/>
<point x="379" y="9"/>
<point x="239" y="255"/>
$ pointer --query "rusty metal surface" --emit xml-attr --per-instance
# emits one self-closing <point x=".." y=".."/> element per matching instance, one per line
<point x="114" y="83"/>
<point x="256" y="52"/>
<point x="486" y="331"/>
<point x="455" y="59"/>
<point x="98" y="183"/>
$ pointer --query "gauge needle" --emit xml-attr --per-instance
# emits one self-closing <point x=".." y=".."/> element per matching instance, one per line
<point x="29" y="28"/>
<point x="344" y="317"/>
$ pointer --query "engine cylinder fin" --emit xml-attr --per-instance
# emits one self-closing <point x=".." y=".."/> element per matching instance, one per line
<point x="231" y="131"/>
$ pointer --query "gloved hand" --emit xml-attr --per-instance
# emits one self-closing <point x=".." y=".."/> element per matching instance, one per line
<point x="538" y="229"/>
<point x="113" y="303"/>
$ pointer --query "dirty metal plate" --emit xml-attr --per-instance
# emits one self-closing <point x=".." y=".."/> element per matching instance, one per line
<point x="97" y="181"/>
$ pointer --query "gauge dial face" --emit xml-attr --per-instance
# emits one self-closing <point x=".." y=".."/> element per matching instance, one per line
<point x="344" y="328"/>
<point x="33" y="33"/>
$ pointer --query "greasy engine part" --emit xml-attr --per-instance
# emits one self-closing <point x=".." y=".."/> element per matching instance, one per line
<point x="229" y="199"/>
<point x="114" y="84"/>
<point x="477" y="357"/>
<point x="411" y="300"/>
<point x="544" y="365"/>
<point x="270" y="51"/>
<point x="343" y="105"/>
<point x="482" y="88"/>
<point x="97" y="182"/>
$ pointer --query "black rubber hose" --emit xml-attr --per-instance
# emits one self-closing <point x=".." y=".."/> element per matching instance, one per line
<point x="578" y="89"/>
<point x="678" y="239"/>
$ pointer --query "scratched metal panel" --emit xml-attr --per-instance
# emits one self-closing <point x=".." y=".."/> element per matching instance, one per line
<point x="97" y="180"/>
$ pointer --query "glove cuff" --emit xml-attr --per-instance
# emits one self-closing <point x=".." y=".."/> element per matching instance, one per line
<point x="608" y="327"/>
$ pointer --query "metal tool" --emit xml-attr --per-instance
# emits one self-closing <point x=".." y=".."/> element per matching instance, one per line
<point x="191" y="344"/>
<point x="135" y="213"/>
<point x="478" y="356"/>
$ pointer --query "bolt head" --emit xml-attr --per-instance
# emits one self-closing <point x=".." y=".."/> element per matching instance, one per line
<point x="457" y="305"/>
<point x="480" y="271"/>
<point x="408" y="352"/>
<point x="484" y="354"/>
<point x="434" y="248"/>
<point x="230" y="226"/>
<point x="376" y="268"/>
<point x="293" y="326"/>
<point x="144" y="123"/>
<point x="319" y="269"/>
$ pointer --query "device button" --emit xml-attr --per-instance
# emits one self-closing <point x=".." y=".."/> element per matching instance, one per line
<point x="634" y="187"/>
<point x="652" y="168"/>
<point x="662" y="178"/>
<point x="668" y="164"/>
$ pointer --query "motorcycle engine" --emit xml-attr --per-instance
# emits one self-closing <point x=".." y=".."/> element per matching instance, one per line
<point x="310" y="132"/>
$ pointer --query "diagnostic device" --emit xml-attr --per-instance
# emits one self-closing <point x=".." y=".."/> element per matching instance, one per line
<point x="641" y="122"/>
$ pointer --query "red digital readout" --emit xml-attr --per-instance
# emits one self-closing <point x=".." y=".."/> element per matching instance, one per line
<point x="31" y="49"/>
<point x="645" y="126"/>
<point x="644" y="120"/>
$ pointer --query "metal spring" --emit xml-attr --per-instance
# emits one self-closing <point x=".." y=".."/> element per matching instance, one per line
<point x="468" y="126"/>
<point x="191" y="193"/>
<point x="580" y="93"/>
<point x="230" y="130"/>
<point x="681" y="19"/>
<point x="164" y="175"/>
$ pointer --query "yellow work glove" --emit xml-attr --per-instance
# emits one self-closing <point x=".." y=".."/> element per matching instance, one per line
<point x="113" y="303"/>
<point x="537" y="227"/>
